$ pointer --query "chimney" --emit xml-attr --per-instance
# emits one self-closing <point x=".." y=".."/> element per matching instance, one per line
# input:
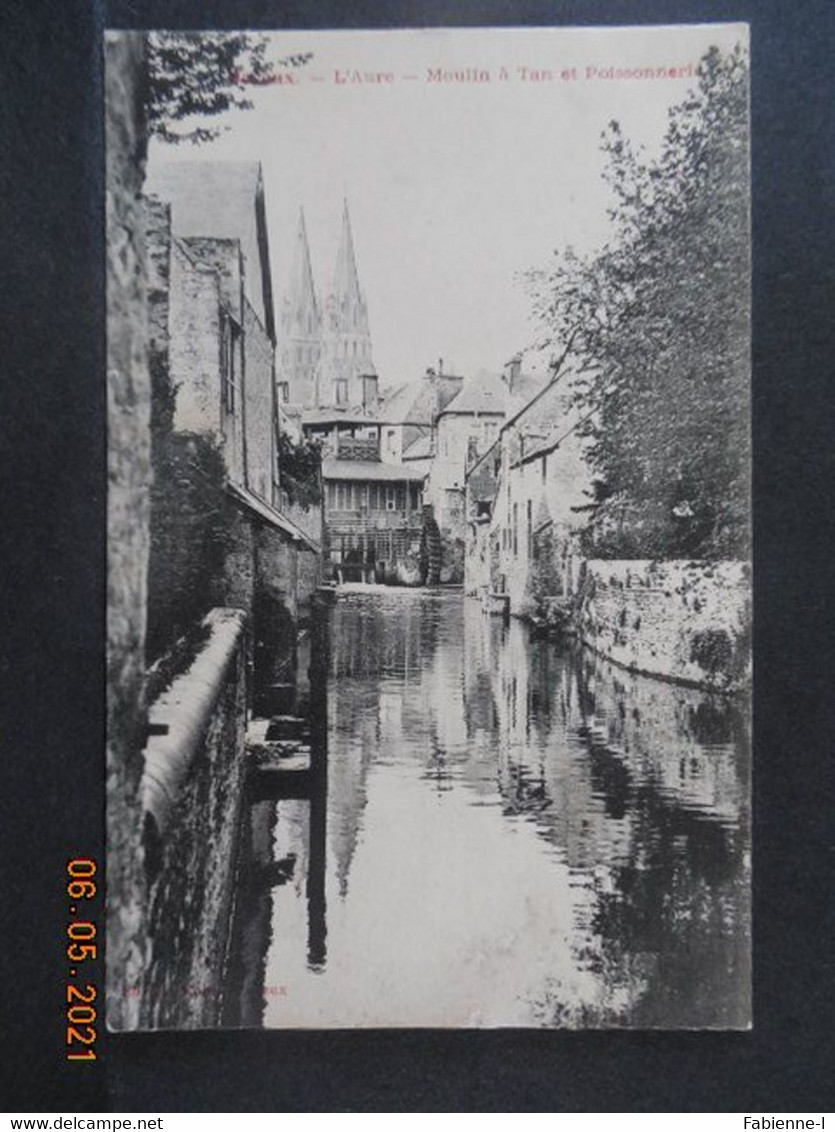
<point x="513" y="368"/>
<point x="440" y="367"/>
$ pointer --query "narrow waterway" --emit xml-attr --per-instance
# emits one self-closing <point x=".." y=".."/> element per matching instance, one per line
<point x="509" y="833"/>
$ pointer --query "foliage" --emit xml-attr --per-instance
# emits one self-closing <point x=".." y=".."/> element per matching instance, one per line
<point x="200" y="74"/>
<point x="452" y="558"/>
<point x="657" y="322"/>
<point x="300" y="471"/>
<point x="712" y="650"/>
<point x="725" y="656"/>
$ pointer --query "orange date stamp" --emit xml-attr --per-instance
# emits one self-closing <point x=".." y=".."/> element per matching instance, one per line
<point x="82" y="949"/>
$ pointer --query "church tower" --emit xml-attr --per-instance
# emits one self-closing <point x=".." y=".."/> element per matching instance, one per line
<point x="347" y="375"/>
<point x="301" y="330"/>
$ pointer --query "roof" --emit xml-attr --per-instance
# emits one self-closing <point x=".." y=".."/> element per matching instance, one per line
<point x="484" y="393"/>
<point x="526" y="386"/>
<point x="415" y="401"/>
<point x="332" y="414"/>
<point x="221" y="200"/>
<point x="489" y="393"/>
<point x="410" y="404"/>
<point x="486" y="455"/>
<point x="551" y="413"/>
<point x="368" y="470"/>
<point x="273" y="517"/>
<point x="421" y="449"/>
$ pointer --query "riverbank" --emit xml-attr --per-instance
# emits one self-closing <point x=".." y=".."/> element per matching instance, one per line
<point x="685" y="622"/>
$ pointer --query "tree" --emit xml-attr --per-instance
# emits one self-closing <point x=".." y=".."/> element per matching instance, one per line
<point x="200" y="74"/>
<point x="301" y="471"/>
<point x="658" y="320"/>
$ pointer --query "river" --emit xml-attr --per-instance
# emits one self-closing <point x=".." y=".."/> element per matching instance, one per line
<point x="510" y="832"/>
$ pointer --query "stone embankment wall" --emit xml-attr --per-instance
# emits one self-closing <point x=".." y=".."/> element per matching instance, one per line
<point x="129" y="476"/>
<point x="192" y="792"/>
<point x="683" y="621"/>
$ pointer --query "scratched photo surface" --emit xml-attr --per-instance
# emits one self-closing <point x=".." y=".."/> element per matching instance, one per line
<point x="429" y="610"/>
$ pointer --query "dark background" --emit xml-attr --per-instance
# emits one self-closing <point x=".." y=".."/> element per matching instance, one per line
<point x="52" y="438"/>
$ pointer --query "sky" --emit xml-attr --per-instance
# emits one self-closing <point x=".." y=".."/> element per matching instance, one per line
<point x="456" y="185"/>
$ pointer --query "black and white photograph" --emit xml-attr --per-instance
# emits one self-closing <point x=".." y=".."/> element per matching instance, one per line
<point x="429" y="587"/>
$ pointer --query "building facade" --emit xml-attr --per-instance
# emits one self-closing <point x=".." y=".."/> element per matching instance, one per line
<point x="466" y="428"/>
<point x="374" y="521"/>
<point x="211" y="306"/>
<point x="527" y="500"/>
<point x="373" y="508"/>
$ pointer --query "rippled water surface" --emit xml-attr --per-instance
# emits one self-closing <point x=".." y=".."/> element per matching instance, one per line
<point x="509" y="833"/>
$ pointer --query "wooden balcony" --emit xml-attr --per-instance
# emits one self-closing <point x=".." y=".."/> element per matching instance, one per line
<point x="358" y="448"/>
<point x="367" y="522"/>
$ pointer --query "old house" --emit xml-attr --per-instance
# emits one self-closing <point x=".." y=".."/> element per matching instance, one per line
<point x="409" y="414"/>
<point x="374" y="520"/>
<point x="482" y="485"/>
<point x="466" y="428"/>
<point x="212" y="294"/>
<point x="218" y="598"/>
<point x="527" y="500"/>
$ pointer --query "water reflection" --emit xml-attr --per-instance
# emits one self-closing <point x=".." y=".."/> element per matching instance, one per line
<point x="509" y="833"/>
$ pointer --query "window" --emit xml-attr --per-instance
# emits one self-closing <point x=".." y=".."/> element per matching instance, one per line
<point x="229" y="338"/>
<point x="544" y="468"/>
<point x="515" y="529"/>
<point x="284" y="391"/>
<point x="530" y="527"/>
<point x="340" y="391"/>
<point x="369" y="390"/>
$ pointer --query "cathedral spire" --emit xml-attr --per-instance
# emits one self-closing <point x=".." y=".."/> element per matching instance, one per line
<point x="302" y="307"/>
<point x="301" y="328"/>
<point x="346" y="286"/>
<point x="347" y="374"/>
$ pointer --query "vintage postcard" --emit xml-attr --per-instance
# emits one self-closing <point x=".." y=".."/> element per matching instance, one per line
<point x="429" y="588"/>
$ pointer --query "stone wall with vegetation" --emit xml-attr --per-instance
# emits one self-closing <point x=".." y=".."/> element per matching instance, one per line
<point x="194" y="350"/>
<point x="190" y="536"/>
<point x="129" y="475"/>
<point x="684" y="621"/>
<point x="308" y="579"/>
